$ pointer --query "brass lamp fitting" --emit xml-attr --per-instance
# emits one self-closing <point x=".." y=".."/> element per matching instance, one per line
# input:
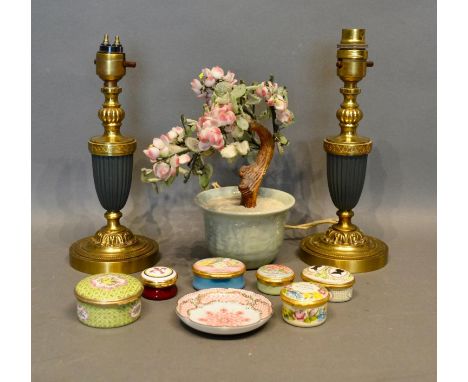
<point x="114" y="248"/>
<point x="344" y="245"/>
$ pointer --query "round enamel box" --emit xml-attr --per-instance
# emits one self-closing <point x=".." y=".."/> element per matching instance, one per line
<point x="304" y="304"/>
<point x="159" y="283"/>
<point x="218" y="272"/>
<point x="108" y="300"/>
<point x="339" y="282"/>
<point x="271" y="278"/>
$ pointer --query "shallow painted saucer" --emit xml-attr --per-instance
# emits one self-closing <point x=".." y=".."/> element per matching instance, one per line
<point x="224" y="311"/>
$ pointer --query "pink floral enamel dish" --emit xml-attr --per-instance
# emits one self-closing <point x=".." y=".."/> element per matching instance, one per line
<point x="224" y="311"/>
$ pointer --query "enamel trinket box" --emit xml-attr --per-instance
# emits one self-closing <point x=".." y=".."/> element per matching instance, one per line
<point x="339" y="282"/>
<point x="108" y="300"/>
<point x="218" y="272"/>
<point x="159" y="283"/>
<point x="271" y="278"/>
<point x="304" y="304"/>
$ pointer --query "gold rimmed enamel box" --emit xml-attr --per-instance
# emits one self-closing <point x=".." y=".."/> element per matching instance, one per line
<point x="339" y="282"/>
<point x="271" y="278"/>
<point x="108" y="300"/>
<point x="218" y="272"/>
<point x="304" y="304"/>
<point x="159" y="283"/>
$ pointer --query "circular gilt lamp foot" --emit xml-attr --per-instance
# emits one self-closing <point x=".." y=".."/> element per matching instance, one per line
<point x="91" y="255"/>
<point x="366" y="255"/>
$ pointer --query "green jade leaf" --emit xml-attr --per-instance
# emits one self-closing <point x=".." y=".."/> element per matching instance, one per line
<point x="192" y="144"/>
<point x="235" y="107"/>
<point x="222" y="88"/>
<point x="253" y="99"/>
<point x="238" y="91"/>
<point x="281" y="139"/>
<point x="242" y="123"/>
<point x="204" y="179"/>
<point x="224" y="99"/>
<point x="147" y="176"/>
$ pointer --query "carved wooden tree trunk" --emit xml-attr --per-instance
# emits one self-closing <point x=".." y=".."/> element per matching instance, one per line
<point x="252" y="175"/>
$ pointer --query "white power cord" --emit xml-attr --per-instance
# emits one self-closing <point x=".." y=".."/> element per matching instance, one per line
<point x="312" y="224"/>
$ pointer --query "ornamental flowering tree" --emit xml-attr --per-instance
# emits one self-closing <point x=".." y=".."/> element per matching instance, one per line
<point x="230" y="126"/>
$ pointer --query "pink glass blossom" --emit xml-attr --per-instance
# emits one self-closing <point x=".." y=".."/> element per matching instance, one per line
<point x="229" y="77"/>
<point x="224" y="115"/>
<point x="210" y="137"/>
<point x="217" y="117"/>
<point x="171" y="134"/>
<point x="206" y="122"/>
<point x="165" y="138"/>
<point x="263" y="91"/>
<point x="217" y="72"/>
<point x="162" y="146"/>
<point x="162" y="171"/>
<point x="209" y="79"/>
<point x="158" y="143"/>
<point x="184" y="159"/>
<point x="152" y="153"/>
<point x="279" y="103"/>
<point x="174" y="162"/>
<point x="179" y="130"/>
<point x="285" y="116"/>
<point x="196" y="86"/>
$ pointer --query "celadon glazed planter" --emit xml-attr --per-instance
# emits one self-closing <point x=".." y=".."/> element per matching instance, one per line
<point x="251" y="235"/>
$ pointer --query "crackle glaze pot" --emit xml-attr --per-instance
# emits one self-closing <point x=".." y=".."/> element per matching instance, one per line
<point x="108" y="300"/>
<point x="251" y="236"/>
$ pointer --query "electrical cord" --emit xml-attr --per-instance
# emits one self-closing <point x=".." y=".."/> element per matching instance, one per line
<point x="311" y="224"/>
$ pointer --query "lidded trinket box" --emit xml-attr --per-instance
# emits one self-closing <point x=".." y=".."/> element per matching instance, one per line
<point x="108" y="300"/>
<point x="159" y="283"/>
<point x="304" y="304"/>
<point x="339" y="282"/>
<point x="218" y="272"/>
<point x="271" y="278"/>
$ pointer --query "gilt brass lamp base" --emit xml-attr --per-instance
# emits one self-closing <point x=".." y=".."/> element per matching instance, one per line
<point x="369" y="255"/>
<point x="114" y="248"/>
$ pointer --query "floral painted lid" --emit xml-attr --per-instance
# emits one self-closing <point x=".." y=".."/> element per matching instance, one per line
<point x="108" y="289"/>
<point x="218" y="268"/>
<point x="275" y="274"/>
<point x="304" y="294"/>
<point x="159" y="277"/>
<point x="328" y="276"/>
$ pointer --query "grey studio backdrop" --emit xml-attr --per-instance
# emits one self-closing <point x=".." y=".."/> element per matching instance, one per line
<point x="387" y="332"/>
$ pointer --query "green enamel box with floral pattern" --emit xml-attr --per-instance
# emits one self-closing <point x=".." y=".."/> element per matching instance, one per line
<point x="108" y="300"/>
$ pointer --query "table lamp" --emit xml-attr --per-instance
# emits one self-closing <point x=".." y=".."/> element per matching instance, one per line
<point x="344" y="245"/>
<point x="113" y="248"/>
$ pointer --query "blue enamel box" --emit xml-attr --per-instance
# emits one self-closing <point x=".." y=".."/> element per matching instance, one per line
<point x="218" y="272"/>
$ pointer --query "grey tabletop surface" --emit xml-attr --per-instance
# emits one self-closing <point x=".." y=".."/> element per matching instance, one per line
<point x="387" y="332"/>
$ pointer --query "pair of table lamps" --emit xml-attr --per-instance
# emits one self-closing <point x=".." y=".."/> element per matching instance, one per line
<point x="114" y="248"/>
